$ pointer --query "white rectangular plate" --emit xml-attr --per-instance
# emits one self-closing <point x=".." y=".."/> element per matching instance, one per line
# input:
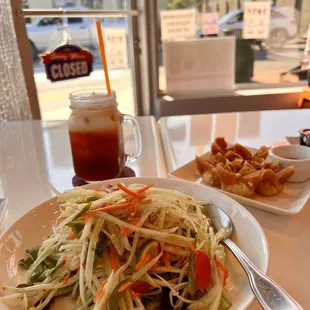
<point x="291" y="201"/>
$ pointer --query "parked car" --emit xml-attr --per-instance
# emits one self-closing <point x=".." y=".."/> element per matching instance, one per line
<point x="46" y="32"/>
<point x="282" y="26"/>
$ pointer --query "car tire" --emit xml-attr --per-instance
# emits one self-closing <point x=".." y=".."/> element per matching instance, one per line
<point x="277" y="39"/>
<point x="34" y="52"/>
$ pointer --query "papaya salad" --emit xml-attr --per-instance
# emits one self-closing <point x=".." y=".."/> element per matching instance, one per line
<point x="121" y="248"/>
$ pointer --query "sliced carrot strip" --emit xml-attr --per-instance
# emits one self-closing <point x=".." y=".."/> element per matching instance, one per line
<point x="113" y="260"/>
<point x="135" y="295"/>
<point x="125" y="230"/>
<point x="143" y="261"/>
<point x="129" y="192"/>
<point x="133" y="207"/>
<point x="125" y="287"/>
<point x="225" y="271"/>
<point x="87" y="216"/>
<point x="107" y="208"/>
<point x="154" y="267"/>
<point x="166" y="260"/>
<point x="67" y="277"/>
<point x="191" y="247"/>
<point x="154" y="218"/>
<point x="145" y="188"/>
<point x="100" y="291"/>
<point x="115" y="207"/>
<point x="72" y="236"/>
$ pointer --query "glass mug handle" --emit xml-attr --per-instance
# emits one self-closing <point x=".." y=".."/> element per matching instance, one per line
<point x="137" y="134"/>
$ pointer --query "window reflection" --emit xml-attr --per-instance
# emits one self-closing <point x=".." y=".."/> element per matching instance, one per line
<point x="225" y="125"/>
<point x="276" y="59"/>
<point x="248" y="125"/>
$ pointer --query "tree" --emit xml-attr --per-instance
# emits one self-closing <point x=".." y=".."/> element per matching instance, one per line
<point x="180" y="4"/>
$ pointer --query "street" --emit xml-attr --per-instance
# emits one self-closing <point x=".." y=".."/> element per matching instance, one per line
<point x="54" y="97"/>
<point x="54" y="102"/>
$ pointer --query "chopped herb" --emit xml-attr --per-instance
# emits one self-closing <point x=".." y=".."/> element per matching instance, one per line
<point x="116" y="296"/>
<point x="32" y="255"/>
<point x="57" y="267"/>
<point x="77" y="227"/>
<point x="38" y="273"/>
<point x="102" y="243"/>
<point x="33" y="252"/>
<point x="50" y="263"/>
<point x="23" y="285"/>
<point x="90" y="199"/>
<point x="26" y="263"/>
<point x="190" y="275"/>
<point x="48" y="272"/>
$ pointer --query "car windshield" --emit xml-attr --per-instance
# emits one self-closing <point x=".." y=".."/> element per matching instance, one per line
<point x="228" y="16"/>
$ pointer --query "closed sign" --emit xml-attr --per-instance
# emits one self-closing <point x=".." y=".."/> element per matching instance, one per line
<point x="67" y="62"/>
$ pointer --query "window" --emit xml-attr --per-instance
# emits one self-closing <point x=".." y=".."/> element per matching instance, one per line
<point x="236" y="19"/>
<point x="50" y="21"/>
<point x="75" y="20"/>
<point x="53" y="97"/>
<point x="277" y="59"/>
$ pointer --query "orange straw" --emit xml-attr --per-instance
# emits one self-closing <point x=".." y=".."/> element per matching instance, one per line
<point x="103" y="58"/>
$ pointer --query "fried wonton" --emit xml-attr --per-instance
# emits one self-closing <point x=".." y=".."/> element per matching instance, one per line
<point x="262" y="152"/>
<point x="272" y="183"/>
<point x="235" y="169"/>
<point x="236" y="183"/>
<point x="207" y="172"/>
<point x="219" y="145"/>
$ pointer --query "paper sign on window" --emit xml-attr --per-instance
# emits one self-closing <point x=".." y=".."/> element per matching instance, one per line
<point x="256" y="20"/>
<point x="116" y="48"/>
<point x="178" y="24"/>
<point x="209" y="23"/>
<point x="200" y="67"/>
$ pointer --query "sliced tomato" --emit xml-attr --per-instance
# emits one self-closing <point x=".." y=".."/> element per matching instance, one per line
<point x="202" y="270"/>
<point x="140" y="287"/>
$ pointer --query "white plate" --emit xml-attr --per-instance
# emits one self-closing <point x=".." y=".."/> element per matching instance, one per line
<point x="30" y="229"/>
<point x="291" y="201"/>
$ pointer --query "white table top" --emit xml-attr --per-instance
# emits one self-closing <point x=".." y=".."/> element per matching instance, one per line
<point x="36" y="154"/>
<point x="288" y="236"/>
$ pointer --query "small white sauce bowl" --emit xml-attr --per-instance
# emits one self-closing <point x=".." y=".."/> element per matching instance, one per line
<point x="293" y="155"/>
